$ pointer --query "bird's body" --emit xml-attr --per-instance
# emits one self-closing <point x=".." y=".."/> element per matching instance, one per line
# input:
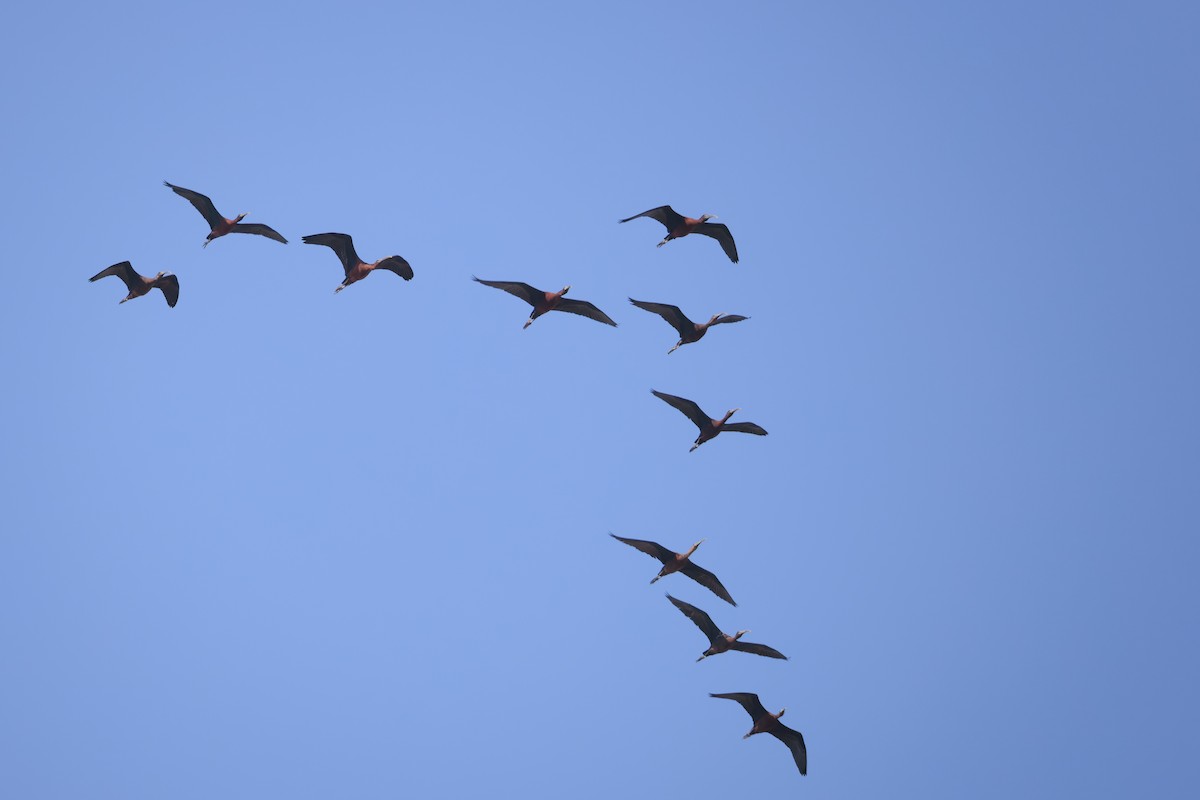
<point x="720" y="642"/>
<point x="688" y="331"/>
<point x="355" y="268"/>
<point x="679" y="562"/>
<point x="765" y="722"/>
<point x="679" y="226"/>
<point x="709" y="427"/>
<point x="545" y="302"/>
<point x="139" y="285"/>
<point x="220" y="225"/>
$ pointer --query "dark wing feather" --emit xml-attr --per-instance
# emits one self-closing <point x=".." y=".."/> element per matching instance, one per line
<point x="749" y="702"/>
<point x="124" y="271"/>
<point x="339" y="243"/>
<point x="522" y="290"/>
<point x="169" y="284"/>
<point x="260" y="229"/>
<point x="728" y="318"/>
<point x="706" y="579"/>
<point x="689" y="409"/>
<point x="202" y="204"/>
<point x="744" y="427"/>
<point x="397" y="265"/>
<point x="664" y="214"/>
<point x="702" y="620"/>
<point x="795" y="743"/>
<point x="585" y="309"/>
<point x="757" y="649"/>
<point x="671" y="314"/>
<point x="653" y="549"/>
<point x="721" y="233"/>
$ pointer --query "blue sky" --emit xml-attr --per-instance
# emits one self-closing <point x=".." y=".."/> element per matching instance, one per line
<point x="276" y="542"/>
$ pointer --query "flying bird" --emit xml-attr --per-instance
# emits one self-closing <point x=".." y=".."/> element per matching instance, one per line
<point x="679" y="562"/>
<point x="709" y="427"/>
<point x="356" y="268"/>
<point x="139" y="285"/>
<point x="543" y="302"/>
<point x="721" y="642"/>
<point x="688" y="331"/>
<point x="769" y="723"/>
<point x="679" y="226"/>
<point x="221" y="226"/>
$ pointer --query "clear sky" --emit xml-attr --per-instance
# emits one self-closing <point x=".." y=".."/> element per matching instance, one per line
<point x="277" y="542"/>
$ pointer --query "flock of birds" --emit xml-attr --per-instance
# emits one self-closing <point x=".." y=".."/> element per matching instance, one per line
<point x="543" y="302"/>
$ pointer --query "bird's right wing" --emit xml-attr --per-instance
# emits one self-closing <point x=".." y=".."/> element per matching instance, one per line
<point x="397" y="265"/>
<point x="584" y="309"/>
<point x="169" y="285"/>
<point x="706" y="579"/>
<point x="201" y="202"/>
<point x="674" y="317"/>
<point x="522" y="290"/>
<point x="795" y="743"/>
<point x="259" y="229"/>
<point x="744" y="427"/>
<point x="664" y="214"/>
<point x="689" y="409"/>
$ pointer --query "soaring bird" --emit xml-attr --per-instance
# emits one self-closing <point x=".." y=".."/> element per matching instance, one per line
<point x="679" y="226"/>
<point x="356" y="268"/>
<point x="139" y="285"/>
<point x="543" y="302"/>
<point x="721" y="642"/>
<point x="221" y="226"/>
<point x="679" y="562"/>
<point x="769" y="723"/>
<point x="688" y="331"/>
<point x="709" y="427"/>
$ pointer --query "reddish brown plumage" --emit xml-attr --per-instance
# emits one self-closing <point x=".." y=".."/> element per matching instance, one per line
<point x="709" y="427"/>
<point x="679" y="562"/>
<point x="140" y="285"/>
<point x="679" y="226"/>
<point x="355" y="268"/>
<point x="219" y="224"/>
<point x="545" y="302"/>
<point x="765" y="722"/>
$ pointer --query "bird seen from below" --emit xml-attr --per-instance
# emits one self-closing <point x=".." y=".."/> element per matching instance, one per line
<point x="688" y="331"/>
<point x="544" y="302"/>
<point x="219" y="224"/>
<point x="769" y="723"/>
<point x="679" y="562"/>
<point x="679" y="226"/>
<point x="721" y="642"/>
<point x="709" y="427"/>
<point x="356" y="268"/>
<point x="139" y="285"/>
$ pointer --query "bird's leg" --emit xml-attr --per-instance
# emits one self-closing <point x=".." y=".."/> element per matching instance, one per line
<point x="338" y="289"/>
<point x="130" y="297"/>
<point x="694" y="447"/>
<point x="673" y="349"/>
<point x="655" y="579"/>
<point x="206" y="241"/>
<point x="528" y="322"/>
<point x="664" y="241"/>
<point x="701" y="658"/>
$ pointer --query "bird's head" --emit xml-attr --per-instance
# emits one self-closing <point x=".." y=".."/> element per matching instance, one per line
<point x="716" y="317"/>
<point x="565" y="289"/>
<point x="240" y="217"/>
<point x="707" y="217"/>
<point x="696" y="545"/>
<point x="161" y="275"/>
<point x="730" y="413"/>
<point x="782" y="711"/>
<point x="739" y="634"/>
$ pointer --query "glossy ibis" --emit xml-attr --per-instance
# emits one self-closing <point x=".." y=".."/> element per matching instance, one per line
<point x="543" y="302"/>
<point x="688" y="331"/>
<point x="679" y="226"/>
<point x="139" y="285"/>
<point x="769" y="723"/>
<point x="221" y="226"/>
<point x="356" y="268"/>
<point x="709" y="427"/>
<point x="679" y="562"/>
<point x="722" y="642"/>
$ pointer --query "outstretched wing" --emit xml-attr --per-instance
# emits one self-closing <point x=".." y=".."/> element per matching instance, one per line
<point x="201" y="202"/>
<point x="522" y="290"/>
<point x="397" y="265"/>
<point x="706" y="579"/>
<point x="702" y="620"/>
<point x="259" y="229"/>
<point x="585" y="309"/>
<point x="653" y="549"/>
<point x="749" y="702"/>
<point x="721" y="233"/>
<point x="169" y="284"/>
<point x="744" y="427"/>
<point x="757" y="649"/>
<point x="689" y="409"/>
<point x="728" y="318"/>
<point x="124" y="271"/>
<point x="339" y="243"/>
<point x="795" y="743"/>
<point x="671" y="314"/>
<point x="664" y="214"/>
